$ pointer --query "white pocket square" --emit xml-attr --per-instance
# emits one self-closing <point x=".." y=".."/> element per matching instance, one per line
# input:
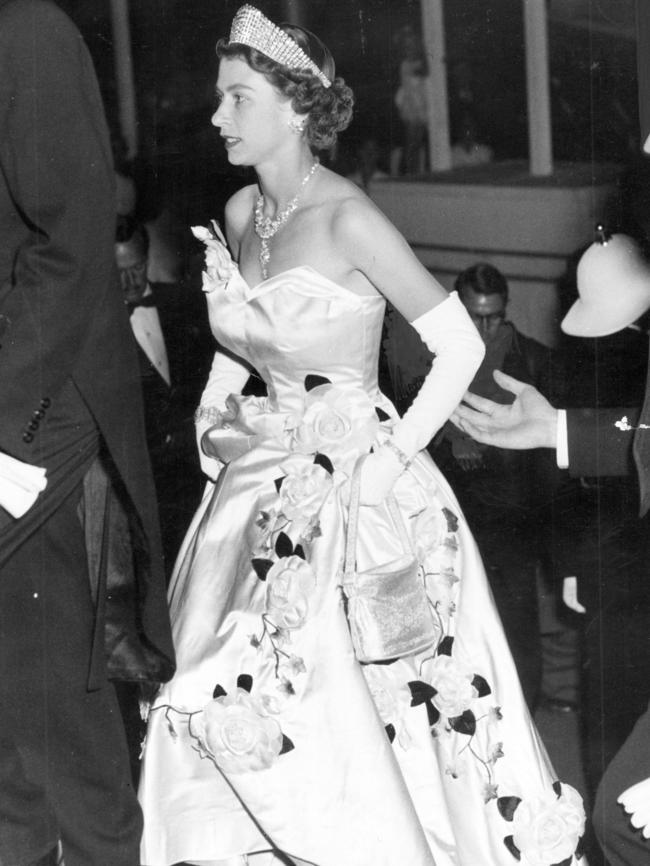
<point x="20" y="484"/>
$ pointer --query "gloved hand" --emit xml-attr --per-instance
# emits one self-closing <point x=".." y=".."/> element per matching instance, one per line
<point x="227" y="376"/>
<point x="449" y="333"/>
<point x="636" y="802"/>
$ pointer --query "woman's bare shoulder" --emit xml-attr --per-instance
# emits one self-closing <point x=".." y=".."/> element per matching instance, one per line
<point x="344" y="199"/>
<point x="349" y="208"/>
<point x="337" y="186"/>
<point x="239" y="209"/>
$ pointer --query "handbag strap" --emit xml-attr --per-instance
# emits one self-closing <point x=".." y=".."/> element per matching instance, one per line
<point x="353" y="519"/>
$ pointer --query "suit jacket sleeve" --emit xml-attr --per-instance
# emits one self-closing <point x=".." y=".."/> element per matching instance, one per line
<point x="56" y="181"/>
<point x="599" y="441"/>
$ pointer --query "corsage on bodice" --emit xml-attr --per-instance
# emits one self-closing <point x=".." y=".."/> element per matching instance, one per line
<point x="293" y="325"/>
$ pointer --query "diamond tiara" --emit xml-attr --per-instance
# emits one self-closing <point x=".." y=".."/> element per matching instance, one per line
<point x="250" y="27"/>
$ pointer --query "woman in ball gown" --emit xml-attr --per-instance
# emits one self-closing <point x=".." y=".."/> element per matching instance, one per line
<point x="274" y="743"/>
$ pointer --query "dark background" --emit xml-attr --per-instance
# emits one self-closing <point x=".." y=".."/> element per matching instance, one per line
<point x="592" y="67"/>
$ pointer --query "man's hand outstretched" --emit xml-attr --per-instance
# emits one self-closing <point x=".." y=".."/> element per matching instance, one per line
<point x="529" y="422"/>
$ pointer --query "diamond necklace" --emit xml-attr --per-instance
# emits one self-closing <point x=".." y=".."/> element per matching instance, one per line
<point x="266" y="228"/>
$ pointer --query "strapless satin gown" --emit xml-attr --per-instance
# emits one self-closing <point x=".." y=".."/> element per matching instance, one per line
<point x="426" y="760"/>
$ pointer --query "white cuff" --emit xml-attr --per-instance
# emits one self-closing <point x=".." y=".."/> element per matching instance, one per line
<point x="562" y="440"/>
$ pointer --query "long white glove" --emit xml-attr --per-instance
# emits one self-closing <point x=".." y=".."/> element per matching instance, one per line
<point x="636" y="802"/>
<point x="227" y="376"/>
<point x="449" y="333"/>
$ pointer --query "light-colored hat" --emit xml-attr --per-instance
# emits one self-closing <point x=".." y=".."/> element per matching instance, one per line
<point x="613" y="286"/>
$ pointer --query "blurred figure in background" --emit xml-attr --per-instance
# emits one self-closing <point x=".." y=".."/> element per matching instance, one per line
<point x="125" y="189"/>
<point x="164" y="341"/>
<point x="467" y="149"/>
<point x="369" y="160"/>
<point x="131" y="244"/>
<point x="501" y="491"/>
<point x="411" y="101"/>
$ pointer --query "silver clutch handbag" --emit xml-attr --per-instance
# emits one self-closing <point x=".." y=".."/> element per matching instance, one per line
<point x="387" y="606"/>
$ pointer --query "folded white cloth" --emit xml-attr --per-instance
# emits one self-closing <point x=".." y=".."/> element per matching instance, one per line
<point x="20" y="484"/>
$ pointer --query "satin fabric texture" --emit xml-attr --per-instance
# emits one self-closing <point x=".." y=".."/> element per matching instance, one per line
<point x="376" y="765"/>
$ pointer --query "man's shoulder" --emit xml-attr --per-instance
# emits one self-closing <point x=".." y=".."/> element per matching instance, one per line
<point x="529" y="344"/>
<point x="536" y="363"/>
<point x="26" y="22"/>
<point x="531" y="350"/>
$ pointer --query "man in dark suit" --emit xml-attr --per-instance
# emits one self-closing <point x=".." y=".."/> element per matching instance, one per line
<point x="498" y="488"/>
<point x="81" y="582"/>
<point x="169" y="362"/>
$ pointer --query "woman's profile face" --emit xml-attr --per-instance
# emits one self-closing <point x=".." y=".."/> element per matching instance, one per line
<point x="252" y="116"/>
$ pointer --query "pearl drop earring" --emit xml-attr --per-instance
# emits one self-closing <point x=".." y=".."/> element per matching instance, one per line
<point x="297" y="125"/>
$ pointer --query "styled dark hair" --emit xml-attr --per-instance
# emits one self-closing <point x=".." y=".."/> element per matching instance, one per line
<point x="329" y="109"/>
<point x="483" y="279"/>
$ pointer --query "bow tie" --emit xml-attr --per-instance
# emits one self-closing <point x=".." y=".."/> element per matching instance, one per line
<point x="145" y="301"/>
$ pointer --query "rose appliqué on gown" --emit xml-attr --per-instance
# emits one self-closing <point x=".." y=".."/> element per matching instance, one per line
<point x="235" y="731"/>
<point x="219" y="266"/>
<point x="449" y="695"/>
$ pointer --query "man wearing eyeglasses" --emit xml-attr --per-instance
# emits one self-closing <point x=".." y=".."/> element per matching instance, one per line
<point x="484" y="292"/>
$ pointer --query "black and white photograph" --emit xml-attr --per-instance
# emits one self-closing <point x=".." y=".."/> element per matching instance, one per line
<point x="324" y="433"/>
